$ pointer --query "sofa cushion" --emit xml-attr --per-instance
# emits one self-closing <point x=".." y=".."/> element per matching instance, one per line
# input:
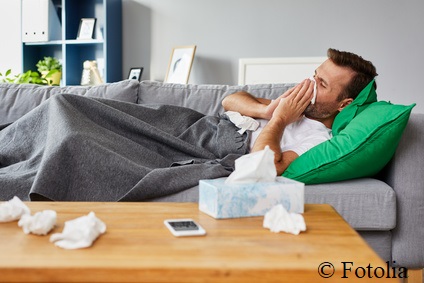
<point x="126" y="90"/>
<point x="362" y="101"/>
<point x="366" y="203"/>
<point x="205" y="99"/>
<point x="270" y="91"/>
<point x="361" y="149"/>
<point x="18" y="99"/>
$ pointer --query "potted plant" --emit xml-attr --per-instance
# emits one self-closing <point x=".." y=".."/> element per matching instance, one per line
<point x="29" y="77"/>
<point x="50" y="69"/>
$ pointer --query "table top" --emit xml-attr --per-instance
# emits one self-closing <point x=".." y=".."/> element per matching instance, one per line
<point x="137" y="247"/>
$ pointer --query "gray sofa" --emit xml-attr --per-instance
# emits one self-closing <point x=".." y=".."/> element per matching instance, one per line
<point x="387" y="210"/>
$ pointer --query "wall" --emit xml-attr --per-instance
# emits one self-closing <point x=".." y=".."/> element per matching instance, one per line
<point x="387" y="32"/>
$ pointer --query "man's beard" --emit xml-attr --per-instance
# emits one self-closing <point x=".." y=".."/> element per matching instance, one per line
<point x="314" y="112"/>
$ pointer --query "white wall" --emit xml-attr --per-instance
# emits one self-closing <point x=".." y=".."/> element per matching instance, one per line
<point x="388" y="32"/>
<point x="10" y="36"/>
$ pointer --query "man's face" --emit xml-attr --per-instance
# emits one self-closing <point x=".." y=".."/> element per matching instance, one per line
<point x="331" y="81"/>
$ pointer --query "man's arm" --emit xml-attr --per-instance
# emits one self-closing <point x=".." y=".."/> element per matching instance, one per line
<point x="287" y="111"/>
<point x="248" y="105"/>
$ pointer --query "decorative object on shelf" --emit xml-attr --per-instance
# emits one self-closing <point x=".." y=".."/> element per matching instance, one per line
<point x="90" y="74"/>
<point x="135" y="73"/>
<point x="180" y="64"/>
<point x="50" y="69"/>
<point x="86" y="28"/>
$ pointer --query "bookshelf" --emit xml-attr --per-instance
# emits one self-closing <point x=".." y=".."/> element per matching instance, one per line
<point x="105" y="48"/>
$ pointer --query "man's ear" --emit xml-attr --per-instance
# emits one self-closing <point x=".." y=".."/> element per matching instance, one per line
<point x="345" y="102"/>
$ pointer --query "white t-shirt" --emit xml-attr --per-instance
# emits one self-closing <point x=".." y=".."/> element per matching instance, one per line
<point x="299" y="136"/>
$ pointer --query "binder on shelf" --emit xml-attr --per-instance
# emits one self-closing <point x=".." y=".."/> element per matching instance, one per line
<point x="40" y="21"/>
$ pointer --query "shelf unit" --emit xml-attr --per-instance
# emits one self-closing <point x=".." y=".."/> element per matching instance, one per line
<point x="105" y="48"/>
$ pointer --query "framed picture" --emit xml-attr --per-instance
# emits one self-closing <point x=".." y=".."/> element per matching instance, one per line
<point x="135" y="73"/>
<point x="180" y="64"/>
<point x="86" y="28"/>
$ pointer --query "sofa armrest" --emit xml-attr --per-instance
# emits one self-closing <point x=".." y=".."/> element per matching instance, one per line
<point x="405" y="175"/>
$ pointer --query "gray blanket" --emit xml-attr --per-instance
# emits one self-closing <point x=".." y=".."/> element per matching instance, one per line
<point x="74" y="148"/>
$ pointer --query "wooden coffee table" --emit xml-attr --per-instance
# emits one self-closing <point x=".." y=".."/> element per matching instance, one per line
<point x="137" y="247"/>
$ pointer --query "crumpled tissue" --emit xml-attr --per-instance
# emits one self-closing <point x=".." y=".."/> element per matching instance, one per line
<point x="79" y="232"/>
<point x="13" y="210"/>
<point x="279" y="220"/>
<point x="40" y="223"/>
<point x="244" y="123"/>
<point x="254" y="167"/>
<point x="315" y="90"/>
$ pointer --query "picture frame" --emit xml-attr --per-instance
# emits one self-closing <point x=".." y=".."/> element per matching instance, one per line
<point x="180" y="64"/>
<point x="135" y="73"/>
<point x="86" y="28"/>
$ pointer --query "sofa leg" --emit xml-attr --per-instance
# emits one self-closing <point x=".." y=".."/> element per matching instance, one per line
<point x="415" y="276"/>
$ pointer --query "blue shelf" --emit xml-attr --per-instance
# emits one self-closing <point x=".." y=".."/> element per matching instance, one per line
<point x="69" y="41"/>
<point x="53" y="42"/>
<point x="106" y="50"/>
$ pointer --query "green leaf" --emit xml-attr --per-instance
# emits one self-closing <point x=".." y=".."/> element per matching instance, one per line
<point x="48" y="64"/>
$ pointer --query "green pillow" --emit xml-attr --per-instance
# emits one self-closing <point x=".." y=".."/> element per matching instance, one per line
<point x="361" y="149"/>
<point x="362" y="101"/>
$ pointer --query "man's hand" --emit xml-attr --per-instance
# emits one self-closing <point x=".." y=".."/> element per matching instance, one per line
<point x="290" y="108"/>
<point x="272" y="106"/>
<point x="293" y="103"/>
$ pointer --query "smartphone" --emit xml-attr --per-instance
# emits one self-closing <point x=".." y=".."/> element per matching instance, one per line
<point x="184" y="227"/>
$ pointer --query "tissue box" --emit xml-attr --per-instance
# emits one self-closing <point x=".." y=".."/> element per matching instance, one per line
<point x="221" y="200"/>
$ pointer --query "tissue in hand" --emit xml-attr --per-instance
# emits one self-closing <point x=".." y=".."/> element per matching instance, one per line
<point x="315" y="90"/>
<point x="13" y="210"/>
<point x="251" y="190"/>
<point x="40" y="223"/>
<point x="254" y="167"/>
<point x="79" y="233"/>
<point x="279" y="220"/>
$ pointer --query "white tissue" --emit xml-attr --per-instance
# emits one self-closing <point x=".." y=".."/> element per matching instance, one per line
<point x="279" y="220"/>
<point x="40" y="223"/>
<point x="254" y="167"/>
<point x="13" y="210"/>
<point x="79" y="233"/>
<point x="315" y="90"/>
<point x="244" y="123"/>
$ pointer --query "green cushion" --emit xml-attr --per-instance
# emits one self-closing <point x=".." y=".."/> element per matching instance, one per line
<point x="361" y="149"/>
<point x="364" y="98"/>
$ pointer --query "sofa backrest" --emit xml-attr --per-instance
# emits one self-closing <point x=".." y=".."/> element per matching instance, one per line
<point x="18" y="99"/>
<point x="205" y="99"/>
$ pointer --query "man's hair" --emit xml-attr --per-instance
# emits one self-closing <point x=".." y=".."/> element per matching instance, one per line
<point x="364" y="70"/>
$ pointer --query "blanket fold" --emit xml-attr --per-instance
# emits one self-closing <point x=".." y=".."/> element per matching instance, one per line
<point x="74" y="148"/>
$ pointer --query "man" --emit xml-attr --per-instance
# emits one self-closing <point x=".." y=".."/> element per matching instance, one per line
<point x="338" y="81"/>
